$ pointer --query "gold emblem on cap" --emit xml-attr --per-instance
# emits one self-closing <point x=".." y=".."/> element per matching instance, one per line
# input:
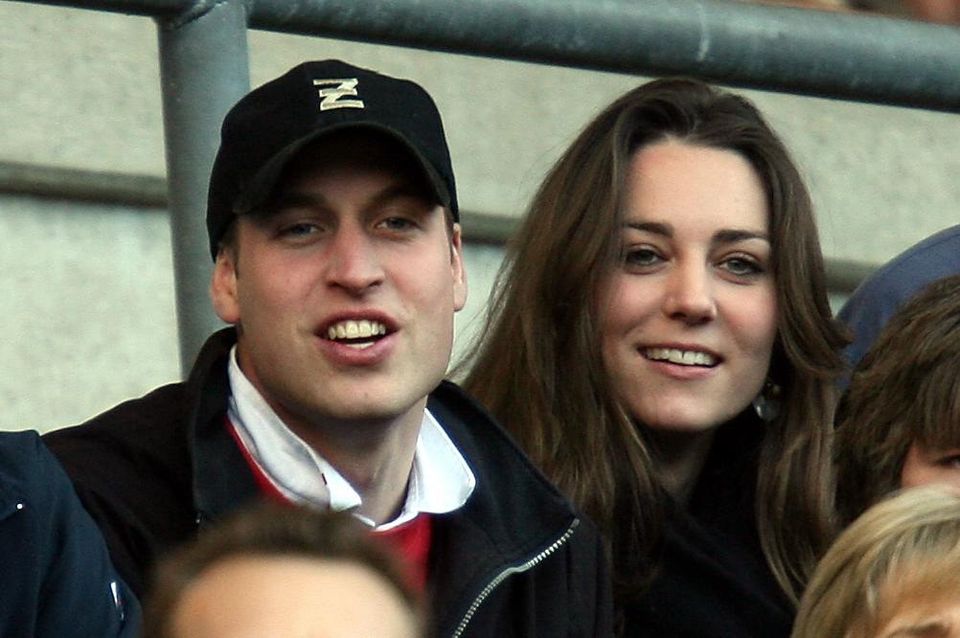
<point x="331" y="98"/>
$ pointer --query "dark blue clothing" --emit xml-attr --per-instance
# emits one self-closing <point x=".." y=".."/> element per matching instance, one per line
<point x="713" y="579"/>
<point x="56" y="579"/>
<point x="881" y="294"/>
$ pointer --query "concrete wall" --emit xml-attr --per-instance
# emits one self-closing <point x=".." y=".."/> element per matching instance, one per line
<point x="87" y="288"/>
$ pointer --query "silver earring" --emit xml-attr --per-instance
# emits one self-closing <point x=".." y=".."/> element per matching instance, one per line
<point x="767" y="403"/>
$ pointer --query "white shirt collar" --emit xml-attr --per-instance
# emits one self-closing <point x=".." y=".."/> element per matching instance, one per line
<point x="440" y="479"/>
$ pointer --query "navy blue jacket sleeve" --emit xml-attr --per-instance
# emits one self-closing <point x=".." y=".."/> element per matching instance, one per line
<point x="56" y="578"/>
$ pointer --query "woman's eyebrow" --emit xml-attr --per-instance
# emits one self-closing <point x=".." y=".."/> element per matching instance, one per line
<point x="724" y="236"/>
<point x="657" y="228"/>
<point x="733" y="235"/>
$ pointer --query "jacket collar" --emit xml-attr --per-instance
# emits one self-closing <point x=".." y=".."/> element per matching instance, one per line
<point x="512" y="518"/>
<point x="221" y="478"/>
<point x="513" y="512"/>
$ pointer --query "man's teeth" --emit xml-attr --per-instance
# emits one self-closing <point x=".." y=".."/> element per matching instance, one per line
<point x="361" y="329"/>
<point x="681" y="357"/>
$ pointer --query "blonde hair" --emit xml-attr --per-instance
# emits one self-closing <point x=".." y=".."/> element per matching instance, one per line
<point x="905" y="546"/>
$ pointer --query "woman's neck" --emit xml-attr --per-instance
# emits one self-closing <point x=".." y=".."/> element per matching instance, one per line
<point x="679" y="457"/>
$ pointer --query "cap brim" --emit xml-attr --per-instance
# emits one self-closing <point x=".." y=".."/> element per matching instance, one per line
<point x="265" y="180"/>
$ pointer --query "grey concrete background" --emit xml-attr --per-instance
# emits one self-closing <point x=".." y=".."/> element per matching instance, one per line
<point x="87" y="289"/>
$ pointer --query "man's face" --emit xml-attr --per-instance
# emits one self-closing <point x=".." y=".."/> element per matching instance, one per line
<point x="926" y="465"/>
<point x="344" y="291"/>
<point x="253" y="596"/>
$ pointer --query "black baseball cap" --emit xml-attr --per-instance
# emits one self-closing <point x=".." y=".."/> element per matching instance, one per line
<point x="268" y="126"/>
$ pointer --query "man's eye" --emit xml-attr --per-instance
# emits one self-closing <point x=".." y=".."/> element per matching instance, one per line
<point x="397" y="223"/>
<point x="300" y="229"/>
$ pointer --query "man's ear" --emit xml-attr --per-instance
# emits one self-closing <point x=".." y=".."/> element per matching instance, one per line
<point x="223" y="286"/>
<point x="459" y="273"/>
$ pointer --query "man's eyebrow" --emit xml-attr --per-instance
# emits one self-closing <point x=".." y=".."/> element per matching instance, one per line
<point x="305" y="199"/>
<point x="295" y="199"/>
<point x="401" y="190"/>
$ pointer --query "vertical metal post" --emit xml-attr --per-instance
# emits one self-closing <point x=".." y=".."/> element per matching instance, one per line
<point x="204" y="69"/>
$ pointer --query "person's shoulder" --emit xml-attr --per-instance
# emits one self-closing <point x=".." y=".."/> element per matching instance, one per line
<point x="16" y="446"/>
<point x="146" y="420"/>
<point x="150" y="431"/>
<point x="935" y="257"/>
<point x="23" y="458"/>
<point x="31" y="478"/>
<point x="894" y="283"/>
<point x="135" y="419"/>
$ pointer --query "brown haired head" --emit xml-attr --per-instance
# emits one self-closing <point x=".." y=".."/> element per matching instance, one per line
<point x="274" y="531"/>
<point x="905" y="391"/>
<point x="539" y="367"/>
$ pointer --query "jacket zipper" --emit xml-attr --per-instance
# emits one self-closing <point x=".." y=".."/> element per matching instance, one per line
<point x="518" y="569"/>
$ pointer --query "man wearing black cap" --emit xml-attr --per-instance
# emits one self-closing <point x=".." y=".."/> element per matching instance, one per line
<point x="333" y="223"/>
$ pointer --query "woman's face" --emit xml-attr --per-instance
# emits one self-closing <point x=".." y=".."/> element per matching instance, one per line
<point x="689" y="314"/>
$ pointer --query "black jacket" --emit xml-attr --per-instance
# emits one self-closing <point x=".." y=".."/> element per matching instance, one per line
<point x="713" y="579"/>
<point x="515" y="560"/>
<point x="56" y="580"/>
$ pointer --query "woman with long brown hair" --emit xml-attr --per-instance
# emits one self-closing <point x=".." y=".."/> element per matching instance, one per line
<point x="661" y="344"/>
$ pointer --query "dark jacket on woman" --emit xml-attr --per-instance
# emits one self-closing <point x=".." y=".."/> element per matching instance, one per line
<point x="713" y="579"/>
<point x="515" y="560"/>
<point x="56" y="580"/>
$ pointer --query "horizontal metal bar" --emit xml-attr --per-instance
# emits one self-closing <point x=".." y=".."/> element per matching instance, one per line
<point x="844" y="275"/>
<point x="140" y="191"/>
<point x="146" y="8"/>
<point x="829" y="54"/>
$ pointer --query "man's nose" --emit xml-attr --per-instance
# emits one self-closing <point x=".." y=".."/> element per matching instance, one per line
<point x="353" y="260"/>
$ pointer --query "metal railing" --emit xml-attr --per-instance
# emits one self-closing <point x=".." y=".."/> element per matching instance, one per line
<point x="205" y="68"/>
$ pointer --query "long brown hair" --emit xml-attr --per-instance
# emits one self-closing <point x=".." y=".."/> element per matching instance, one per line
<point x="538" y="366"/>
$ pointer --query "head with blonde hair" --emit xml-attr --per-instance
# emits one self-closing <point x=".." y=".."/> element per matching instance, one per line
<point x="894" y="572"/>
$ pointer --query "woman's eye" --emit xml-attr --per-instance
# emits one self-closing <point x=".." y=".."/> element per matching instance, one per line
<point x="742" y="266"/>
<point x="641" y="257"/>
